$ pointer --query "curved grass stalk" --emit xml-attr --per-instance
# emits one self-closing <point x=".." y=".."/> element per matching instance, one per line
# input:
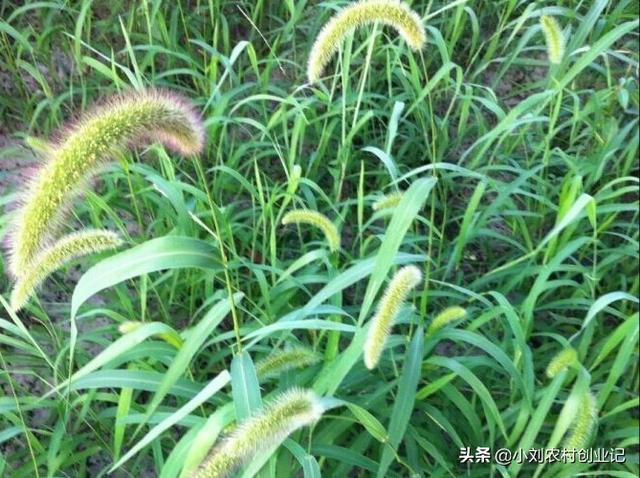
<point x="444" y="318"/>
<point x="317" y="219"/>
<point x="584" y="422"/>
<point x="126" y="119"/>
<point x="277" y="362"/>
<point x="292" y="410"/>
<point x="567" y="357"/>
<point x="554" y="38"/>
<point x="54" y="257"/>
<point x="394" y="13"/>
<point x="405" y="280"/>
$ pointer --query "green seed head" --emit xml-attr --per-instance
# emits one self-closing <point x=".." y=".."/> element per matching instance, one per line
<point x="319" y="220"/>
<point x="567" y="357"/>
<point x="135" y="117"/>
<point x="394" y="13"/>
<point x="554" y="38"/>
<point x="388" y="201"/>
<point x="54" y="257"/>
<point x="294" y="179"/>
<point x="277" y="362"/>
<point x="403" y="282"/>
<point x="584" y="422"/>
<point x="292" y="410"/>
<point x="444" y="318"/>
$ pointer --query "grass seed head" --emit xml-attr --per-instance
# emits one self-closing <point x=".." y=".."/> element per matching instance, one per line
<point x="293" y="409"/>
<point x="554" y="38"/>
<point x="584" y="422"/>
<point x="444" y="318"/>
<point x="394" y="13"/>
<point x="315" y="218"/>
<point x="388" y="201"/>
<point x="70" y="247"/>
<point x="287" y="359"/>
<point x="403" y="282"/>
<point x="124" y="120"/>
<point x="567" y="357"/>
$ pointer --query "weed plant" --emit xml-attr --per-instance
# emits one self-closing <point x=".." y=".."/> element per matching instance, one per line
<point x="498" y="162"/>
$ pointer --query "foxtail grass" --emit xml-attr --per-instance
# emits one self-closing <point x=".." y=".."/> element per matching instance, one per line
<point x="54" y="257"/>
<point x="133" y="118"/>
<point x="444" y="318"/>
<point x="293" y="409"/>
<point x="584" y="422"/>
<point x="396" y="14"/>
<point x="287" y="359"/>
<point x="403" y="282"/>
<point x="566" y="358"/>
<point x="317" y="219"/>
<point x="554" y="38"/>
<point x="387" y="202"/>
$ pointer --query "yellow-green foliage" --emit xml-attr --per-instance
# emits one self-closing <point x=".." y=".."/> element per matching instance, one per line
<point x="388" y="201"/>
<point x="277" y="362"/>
<point x="584" y="422"/>
<point x="389" y="12"/>
<point x="52" y="258"/>
<point x="142" y="116"/>
<point x="317" y="219"/>
<point x="567" y="357"/>
<point x="172" y="338"/>
<point x="448" y="315"/>
<point x="554" y="38"/>
<point x="292" y="410"/>
<point x="403" y="282"/>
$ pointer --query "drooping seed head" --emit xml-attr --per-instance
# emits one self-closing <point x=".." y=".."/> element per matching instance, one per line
<point x="444" y="318"/>
<point x="584" y="422"/>
<point x="394" y="13"/>
<point x="293" y="409"/>
<point x="287" y="359"/>
<point x="403" y="282"/>
<point x="567" y="357"/>
<point x="96" y="137"/>
<point x="388" y="201"/>
<point x="554" y="38"/>
<point x="317" y="219"/>
<point x="51" y="258"/>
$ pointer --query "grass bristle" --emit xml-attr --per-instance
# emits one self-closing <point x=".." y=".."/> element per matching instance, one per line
<point x="486" y="151"/>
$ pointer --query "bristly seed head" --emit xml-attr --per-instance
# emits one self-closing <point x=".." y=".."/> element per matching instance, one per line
<point x="584" y="422"/>
<point x="126" y="119"/>
<point x="292" y="410"/>
<point x="388" y="201"/>
<point x="287" y="359"/>
<point x="54" y="257"/>
<point x="317" y="219"/>
<point x="403" y="282"/>
<point x="444" y="318"/>
<point x="566" y="358"/>
<point x="554" y="38"/>
<point x="394" y="13"/>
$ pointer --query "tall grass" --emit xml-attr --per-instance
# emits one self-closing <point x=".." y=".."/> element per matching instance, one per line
<point x="519" y="204"/>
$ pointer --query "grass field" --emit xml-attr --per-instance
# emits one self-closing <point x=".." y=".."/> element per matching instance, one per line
<point x="510" y="184"/>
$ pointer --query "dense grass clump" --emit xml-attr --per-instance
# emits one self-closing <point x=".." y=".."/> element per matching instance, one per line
<point x="356" y="239"/>
<point x="93" y="139"/>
